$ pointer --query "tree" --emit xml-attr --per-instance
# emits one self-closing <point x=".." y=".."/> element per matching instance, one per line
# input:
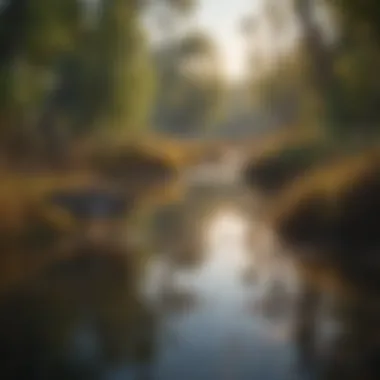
<point x="338" y="52"/>
<point x="170" y="17"/>
<point x="34" y="35"/>
<point x="342" y="72"/>
<point x="124" y="60"/>
<point x="190" y="85"/>
<point x="61" y="73"/>
<point x="362" y="11"/>
<point x="321" y="64"/>
<point x="355" y="62"/>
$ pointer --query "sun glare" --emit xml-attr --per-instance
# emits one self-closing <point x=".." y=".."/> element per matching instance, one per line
<point x="226" y="228"/>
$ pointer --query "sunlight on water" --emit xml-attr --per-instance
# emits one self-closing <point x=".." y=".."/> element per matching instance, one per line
<point x="228" y="255"/>
<point x="221" y="337"/>
<point x="226" y="228"/>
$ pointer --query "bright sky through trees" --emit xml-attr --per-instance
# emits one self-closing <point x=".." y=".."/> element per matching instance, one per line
<point x="221" y="18"/>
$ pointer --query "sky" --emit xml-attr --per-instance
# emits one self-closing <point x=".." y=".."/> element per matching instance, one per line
<point x="221" y="19"/>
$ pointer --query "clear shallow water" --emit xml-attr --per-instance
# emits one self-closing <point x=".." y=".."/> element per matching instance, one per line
<point x="198" y="321"/>
<point x="220" y="337"/>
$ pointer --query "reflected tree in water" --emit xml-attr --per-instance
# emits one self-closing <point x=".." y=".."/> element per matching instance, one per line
<point x="78" y="319"/>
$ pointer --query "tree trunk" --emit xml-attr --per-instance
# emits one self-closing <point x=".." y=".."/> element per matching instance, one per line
<point x="321" y="65"/>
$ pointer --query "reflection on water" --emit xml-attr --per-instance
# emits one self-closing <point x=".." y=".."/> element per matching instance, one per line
<point x="220" y="337"/>
<point x="186" y="322"/>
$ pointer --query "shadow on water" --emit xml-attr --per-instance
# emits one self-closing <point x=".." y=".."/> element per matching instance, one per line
<point x="185" y="313"/>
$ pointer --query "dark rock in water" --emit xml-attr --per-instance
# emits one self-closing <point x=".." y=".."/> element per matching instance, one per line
<point x="93" y="203"/>
<point x="135" y="167"/>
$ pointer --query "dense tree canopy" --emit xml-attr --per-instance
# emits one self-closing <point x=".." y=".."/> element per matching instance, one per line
<point x="61" y="75"/>
<point x="337" y="69"/>
<point x="191" y="86"/>
<point x="73" y="67"/>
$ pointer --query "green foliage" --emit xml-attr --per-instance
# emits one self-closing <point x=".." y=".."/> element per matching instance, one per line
<point x="59" y="72"/>
<point x="125" y="61"/>
<point x="34" y="35"/>
<point x="53" y="27"/>
<point x="328" y="84"/>
<point x="190" y="86"/>
<point x="184" y="6"/>
<point x="355" y="63"/>
<point x="363" y="11"/>
<point x="40" y="29"/>
<point x="67" y="70"/>
<point x="286" y="92"/>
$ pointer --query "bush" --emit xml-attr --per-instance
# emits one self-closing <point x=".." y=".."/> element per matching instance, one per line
<point x="273" y="171"/>
<point x="330" y="218"/>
